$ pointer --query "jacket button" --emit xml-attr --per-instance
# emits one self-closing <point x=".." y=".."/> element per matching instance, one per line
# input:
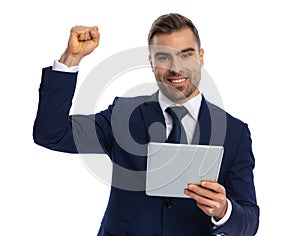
<point x="168" y="204"/>
<point x="154" y="234"/>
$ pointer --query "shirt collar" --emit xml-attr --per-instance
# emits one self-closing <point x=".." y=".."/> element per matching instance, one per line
<point x="192" y="105"/>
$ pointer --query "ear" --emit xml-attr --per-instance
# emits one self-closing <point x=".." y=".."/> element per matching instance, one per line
<point x="201" y="53"/>
<point x="151" y="63"/>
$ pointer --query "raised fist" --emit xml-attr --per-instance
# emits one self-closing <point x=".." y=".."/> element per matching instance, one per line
<point x="82" y="41"/>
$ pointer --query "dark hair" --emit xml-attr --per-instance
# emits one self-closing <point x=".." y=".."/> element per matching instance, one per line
<point x="171" y="22"/>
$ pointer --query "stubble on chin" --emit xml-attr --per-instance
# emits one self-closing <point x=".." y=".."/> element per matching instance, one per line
<point x="177" y="95"/>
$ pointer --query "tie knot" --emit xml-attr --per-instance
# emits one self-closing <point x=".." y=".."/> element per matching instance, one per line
<point x="177" y="112"/>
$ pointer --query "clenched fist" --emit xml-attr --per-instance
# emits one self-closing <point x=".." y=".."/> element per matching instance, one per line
<point x="82" y="41"/>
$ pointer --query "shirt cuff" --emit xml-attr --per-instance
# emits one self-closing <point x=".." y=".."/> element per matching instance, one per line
<point x="226" y="216"/>
<point x="58" y="66"/>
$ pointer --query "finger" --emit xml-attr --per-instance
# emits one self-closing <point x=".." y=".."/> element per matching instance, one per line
<point x="84" y="36"/>
<point x="87" y="35"/>
<point x="82" y="33"/>
<point x="94" y="33"/>
<point x="95" y="29"/>
<point x="211" y="194"/>
<point x="208" y="206"/>
<point x="78" y="30"/>
<point x="206" y="209"/>
<point x="218" y="188"/>
<point x="91" y="34"/>
<point x="201" y="201"/>
<point x="199" y="190"/>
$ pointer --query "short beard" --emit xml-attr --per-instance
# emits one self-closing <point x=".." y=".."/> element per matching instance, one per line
<point x="174" y="94"/>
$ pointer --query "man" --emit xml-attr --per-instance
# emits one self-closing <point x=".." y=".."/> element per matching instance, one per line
<point x="226" y="207"/>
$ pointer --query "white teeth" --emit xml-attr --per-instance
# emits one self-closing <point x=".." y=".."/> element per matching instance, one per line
<point x="177" y="81"/>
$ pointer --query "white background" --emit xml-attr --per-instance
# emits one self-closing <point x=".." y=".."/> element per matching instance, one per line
<point x="251" y="51"/>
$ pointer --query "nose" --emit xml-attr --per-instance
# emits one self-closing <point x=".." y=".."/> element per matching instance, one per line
<point x="176" y="65"/>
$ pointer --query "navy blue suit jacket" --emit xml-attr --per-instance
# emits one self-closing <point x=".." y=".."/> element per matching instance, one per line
<point x="122" y="132"/>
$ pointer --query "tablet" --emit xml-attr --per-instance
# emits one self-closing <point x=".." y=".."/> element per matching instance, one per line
<point x="171" y="167"/>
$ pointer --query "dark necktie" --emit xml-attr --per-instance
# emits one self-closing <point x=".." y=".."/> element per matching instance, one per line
<point x="177" y="134"/>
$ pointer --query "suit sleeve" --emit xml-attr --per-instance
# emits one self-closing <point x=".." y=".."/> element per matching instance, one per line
<point x="55" y="129"/>
<point x="240" y="190"/>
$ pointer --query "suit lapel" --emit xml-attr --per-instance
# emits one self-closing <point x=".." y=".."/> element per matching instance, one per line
<point x="211" y="127"/>
<point x="203" y="128"/>
<point x="154" y="119"/>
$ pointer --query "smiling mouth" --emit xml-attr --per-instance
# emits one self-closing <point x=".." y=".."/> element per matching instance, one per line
<point x="177" y="81"/>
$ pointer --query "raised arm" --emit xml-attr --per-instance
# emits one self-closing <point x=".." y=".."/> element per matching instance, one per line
<point x="54" y="128"/>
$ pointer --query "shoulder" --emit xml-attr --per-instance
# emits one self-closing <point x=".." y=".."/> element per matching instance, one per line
<point x="137" y="100"/>
<point x="129" y="104"/>
<point x="227" y="128"/>
<point x="225" y="124"/>
<point x="219" y="112"/>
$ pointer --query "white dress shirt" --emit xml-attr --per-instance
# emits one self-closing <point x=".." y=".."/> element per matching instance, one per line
<point x="189" y="122"/>
<point x="58" y="66"/>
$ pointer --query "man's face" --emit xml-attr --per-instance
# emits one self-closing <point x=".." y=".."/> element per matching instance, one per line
<point x="176" y="62"/>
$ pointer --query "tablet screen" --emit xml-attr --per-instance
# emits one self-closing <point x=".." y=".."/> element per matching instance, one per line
<point x="171" y="167"/>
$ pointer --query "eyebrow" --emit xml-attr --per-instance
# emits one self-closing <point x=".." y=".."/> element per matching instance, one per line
<point x="161" y="54"/>
<point x="177" y="53"/>
<point x="186" y="50"/>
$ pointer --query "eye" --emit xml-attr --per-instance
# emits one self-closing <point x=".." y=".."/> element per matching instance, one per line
<point x="185" y="55"/>
<point x="163" y="58"/>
